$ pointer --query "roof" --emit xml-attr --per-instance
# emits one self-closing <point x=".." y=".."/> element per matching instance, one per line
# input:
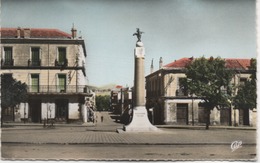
<point x="118" y="86"/>
<point x="238" y="63"/>
<point x="34" y="33"/>
<point x="181" y="63"/>
<point x="233" y="63"/>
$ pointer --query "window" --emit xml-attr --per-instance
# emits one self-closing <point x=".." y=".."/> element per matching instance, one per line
<point x="8" y="111"/>
<point x="181" y="89"/>
<point x="35" y="57"/>
<point x="62" y="59"/>
<point x="62" y="82"/>
<point x="35" y="82"/>
<point x="8" y="56"/>
<point x="242" y="81"/>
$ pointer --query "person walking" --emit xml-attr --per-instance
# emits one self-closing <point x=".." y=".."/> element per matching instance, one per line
<point x="102" y="118"/>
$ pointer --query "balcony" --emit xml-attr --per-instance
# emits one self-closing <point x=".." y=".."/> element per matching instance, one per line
<point x="56" y="89"/>
<point x="7" y="62"/>
<point x="34" y="63"/>
<point x="61" y="64"/>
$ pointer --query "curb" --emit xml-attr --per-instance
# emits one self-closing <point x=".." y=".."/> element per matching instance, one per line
<point x="203" y="127"/>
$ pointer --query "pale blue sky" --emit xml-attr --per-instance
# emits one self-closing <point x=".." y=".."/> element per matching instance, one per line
<point x="173" y="29"/>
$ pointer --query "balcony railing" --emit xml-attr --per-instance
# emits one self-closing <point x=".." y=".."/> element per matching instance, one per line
<point x="34" y="63"/>
<point x="63" y="64"/>
<point x="7" y="62"/>
<point x="57" y="89"/>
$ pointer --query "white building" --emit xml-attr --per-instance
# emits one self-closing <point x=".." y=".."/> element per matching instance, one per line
<point x="173" y="106"/>
<point x="52" y="64"/>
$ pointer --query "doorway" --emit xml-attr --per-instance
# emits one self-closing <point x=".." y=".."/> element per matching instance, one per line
<point x="202" y="115"/>
<point x="225" y="116"/>
<point x="182" y="114"/>
<point x="35" y="110"/>
<point x="61" y="110"/>
<point x="244" y="117"/>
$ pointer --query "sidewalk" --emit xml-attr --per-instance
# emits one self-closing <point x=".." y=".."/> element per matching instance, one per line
<point x="173" y="137"/>
<point x="91" y="124"/>
<point x="90" y="135"/>
<point x="196" y="127"/>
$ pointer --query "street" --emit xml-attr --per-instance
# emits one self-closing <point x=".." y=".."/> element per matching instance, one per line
<point x="102" y="142"/>
<point x="127" y="152"/>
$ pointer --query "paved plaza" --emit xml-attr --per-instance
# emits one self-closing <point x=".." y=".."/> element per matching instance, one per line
<point x="82" y="135"/>
<point x="104" y="135"/>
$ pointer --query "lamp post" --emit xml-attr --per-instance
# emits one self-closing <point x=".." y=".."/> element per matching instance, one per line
<point x="192" y="109"/>
<point x="24" y="113"/>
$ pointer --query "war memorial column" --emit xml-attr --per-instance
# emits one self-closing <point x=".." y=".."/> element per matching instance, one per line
<point x="140" y="121"/>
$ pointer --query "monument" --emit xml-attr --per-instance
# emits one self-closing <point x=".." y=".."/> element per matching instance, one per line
<point x="140" y="121"/>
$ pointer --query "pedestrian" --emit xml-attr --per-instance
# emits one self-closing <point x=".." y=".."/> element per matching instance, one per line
<point x="102" y="118"/>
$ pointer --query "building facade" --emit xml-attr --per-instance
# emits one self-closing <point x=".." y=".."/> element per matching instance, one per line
<point x="171" y="105"/>
<point x="52" y="64"/>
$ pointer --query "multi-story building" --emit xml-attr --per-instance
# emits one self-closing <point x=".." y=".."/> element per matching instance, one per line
<point x="51" y="63"/>
<point x="171" y="105"/>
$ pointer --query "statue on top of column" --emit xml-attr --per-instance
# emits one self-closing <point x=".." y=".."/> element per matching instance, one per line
<point x="138" y="34"/>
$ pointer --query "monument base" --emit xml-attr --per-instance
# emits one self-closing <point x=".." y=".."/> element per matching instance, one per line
<point x="140" y="121"/>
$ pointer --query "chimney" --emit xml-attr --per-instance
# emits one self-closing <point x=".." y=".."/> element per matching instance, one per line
<point x="73" y="32"/>
<point x="18" y="32"/>
<point x="151" y="68"/>
<point x="27" y="32"/>
<point x="160" y="63"/>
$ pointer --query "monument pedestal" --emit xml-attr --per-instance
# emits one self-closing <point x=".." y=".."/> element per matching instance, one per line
<point x="140" y="121"/>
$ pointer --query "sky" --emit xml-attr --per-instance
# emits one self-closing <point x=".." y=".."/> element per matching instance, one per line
<point x="173" y="29"/>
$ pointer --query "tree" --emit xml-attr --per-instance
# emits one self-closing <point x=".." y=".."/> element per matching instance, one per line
<point x="209" y="79"/>
<point x="102" y="102"/>
<point x="246" y="95"/>
<point x="13" y="92"/>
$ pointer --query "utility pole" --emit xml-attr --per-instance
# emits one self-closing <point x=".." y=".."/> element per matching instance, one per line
<point x="192" y="109"/>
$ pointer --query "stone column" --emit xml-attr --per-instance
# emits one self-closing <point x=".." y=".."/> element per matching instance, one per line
<point x="140" y="121"/>
<point x="139" y="83"/>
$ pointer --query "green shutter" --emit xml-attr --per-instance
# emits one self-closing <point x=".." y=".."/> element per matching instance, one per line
<point x="35" y="82"/>
<point x="62" y="82"/>
<point x="8" y="55"/>
<point x="62" y="55"/>
<point x="35" y="56"/>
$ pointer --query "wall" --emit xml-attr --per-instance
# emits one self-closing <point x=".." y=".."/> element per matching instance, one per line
<point x="171" y="82"/>
<point x="23" y="107"/>
<point x="171" y="111"/>
<point x="48" y="110"/>
<point x="48" y="54"/>
<point x="253" y="117"/>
